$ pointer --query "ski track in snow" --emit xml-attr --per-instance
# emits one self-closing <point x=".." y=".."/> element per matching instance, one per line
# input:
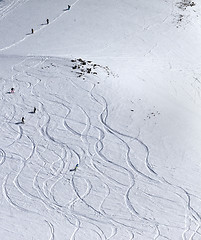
<point x="49" y="144"/>
<point x="11" y="8"/>
<point x="3" y="156"/>
<point x="51" y="230"/>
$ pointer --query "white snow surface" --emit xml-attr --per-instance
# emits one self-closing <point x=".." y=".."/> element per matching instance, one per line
<point x="117" y="90"/>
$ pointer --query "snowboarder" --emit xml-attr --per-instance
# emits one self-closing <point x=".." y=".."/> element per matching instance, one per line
<point x="32" y="31"/>
<point x="23" y="120"/>
<point x="74" y="169"/>
<point x="12" y="90"/>
<point x="47" y="21"/>
<point x="34" y="110"/>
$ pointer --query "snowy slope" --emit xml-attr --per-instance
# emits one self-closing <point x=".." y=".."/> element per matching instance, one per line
<point x="116" y="85"/>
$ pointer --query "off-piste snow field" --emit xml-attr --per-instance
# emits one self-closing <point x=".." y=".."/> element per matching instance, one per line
<point x="100" y="120"/>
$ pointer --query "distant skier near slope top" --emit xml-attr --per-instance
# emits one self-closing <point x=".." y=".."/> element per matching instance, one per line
<point x="48" y="21"/>
<point x="34" y="111"/>
<point x="12" y="90"/>
<point x="68" y="7"/>
<point x="74" y="169"/>
<point x="23" y="120"/>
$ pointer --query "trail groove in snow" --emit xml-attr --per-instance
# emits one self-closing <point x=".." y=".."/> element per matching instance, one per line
<point x="11" y="7"/>
<point x="109" y="194"/>
<point x="8" y="8"/>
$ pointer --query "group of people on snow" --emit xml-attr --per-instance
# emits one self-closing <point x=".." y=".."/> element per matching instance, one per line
<point x="48" y="21"/>
<point x="12" y="90"/>
<point x="34" y="111"/>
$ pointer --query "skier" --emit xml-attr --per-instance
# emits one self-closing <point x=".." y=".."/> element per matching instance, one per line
<point x="23" y="120"/>
<point x="12" y="90"/>
<point x="68" y="7"/>
<point x="34" y="110"/>
<point x="74" y="169"/>
<point x="32" y="31"/>
<point x="47" y="21"/>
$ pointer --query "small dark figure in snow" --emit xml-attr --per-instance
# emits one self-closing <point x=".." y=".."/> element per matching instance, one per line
<point x="12" y="90"/>
<point x="23" y="120"/>
<point x="34" y="110"/>
<point x="47" y="21"/>
<point x="74" y="169"/>
<point x="32" y="31"/>
<point x="68" y="7"/>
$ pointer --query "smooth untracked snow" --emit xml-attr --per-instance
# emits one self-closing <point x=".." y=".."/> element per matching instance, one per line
<point x="116" y="86"/>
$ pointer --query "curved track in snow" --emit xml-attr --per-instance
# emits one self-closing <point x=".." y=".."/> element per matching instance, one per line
<point x="110" y="195"/>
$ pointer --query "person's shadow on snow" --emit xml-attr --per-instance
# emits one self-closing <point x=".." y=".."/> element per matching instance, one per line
<point x="34" y="111"/>
<point x="19" y="123"/>
<point x="74" y="169"/>
<point x="11" y="91"/>
<point x="22" y="122"/>
<point x="32" y="32"/>
<point x="67" y="9"/>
